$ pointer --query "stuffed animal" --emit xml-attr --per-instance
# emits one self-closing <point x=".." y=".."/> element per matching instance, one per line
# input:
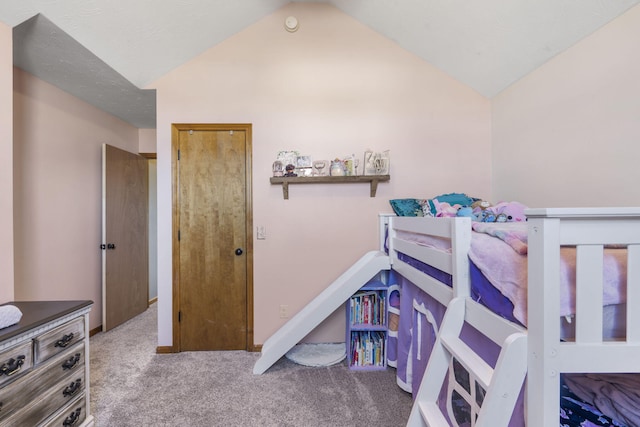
<point x="481" y="209"/>
<point x="502" y="218"/>
<point x="511" y="211"/>
<point x="480" y="205"/>
<point x="444" y="209"/>
<point x="467" y="211"/>
<point x="487" y="215"/>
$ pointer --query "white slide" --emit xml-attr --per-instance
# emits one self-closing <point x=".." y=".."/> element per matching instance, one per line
<point x="307" y="319"/>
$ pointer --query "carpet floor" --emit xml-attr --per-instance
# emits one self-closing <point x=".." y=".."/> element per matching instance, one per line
<point x="131" y="385"/>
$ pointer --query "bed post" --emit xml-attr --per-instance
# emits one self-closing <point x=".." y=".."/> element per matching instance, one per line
<point x="543" y="379"/>
<point x="384" y="221"/>
<point x="461" y="241"/>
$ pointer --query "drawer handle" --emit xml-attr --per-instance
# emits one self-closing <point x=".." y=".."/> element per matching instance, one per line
<point x="73" y="388"/>
<point x="64" y="341"/>
<point x="73" y="360"/>
<point x="73" y="418"/>
<point x="12" y="366"/>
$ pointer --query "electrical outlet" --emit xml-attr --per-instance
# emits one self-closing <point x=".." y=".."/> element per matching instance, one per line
<point x="284" y="311"/>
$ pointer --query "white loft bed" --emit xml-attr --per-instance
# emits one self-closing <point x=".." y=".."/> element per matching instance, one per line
<point x="537" y="353"/>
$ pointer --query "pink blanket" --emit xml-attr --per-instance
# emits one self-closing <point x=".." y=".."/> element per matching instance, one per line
<point x="513" y="234"/>
<point x="506" y="269"/>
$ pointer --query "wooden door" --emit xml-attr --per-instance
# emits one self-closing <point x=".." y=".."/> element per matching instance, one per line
<point x="125" y="259"/>
<point x="213" y="246"/>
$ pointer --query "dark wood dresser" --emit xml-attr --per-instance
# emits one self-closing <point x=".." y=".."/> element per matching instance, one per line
<point x="44" y="365"/>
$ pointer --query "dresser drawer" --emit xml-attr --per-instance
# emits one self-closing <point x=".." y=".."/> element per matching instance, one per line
<point x="15" y="361"/>
<point x="70" y="361"/>
<point x="60" y="370"/>
<point x="58" y="340"/>
<point x="44" y="366"/>
<point x="42" y="406"/>
<point x="70" y="416"/>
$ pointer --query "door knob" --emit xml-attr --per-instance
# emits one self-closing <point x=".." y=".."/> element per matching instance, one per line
<point x="239" y="251"/>
<point x="111" y="245"/>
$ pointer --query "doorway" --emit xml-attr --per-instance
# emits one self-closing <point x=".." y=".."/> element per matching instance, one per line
<point x="153" y="225"/>
<point x="212" y="237"/>
<point x="125" y="260"/>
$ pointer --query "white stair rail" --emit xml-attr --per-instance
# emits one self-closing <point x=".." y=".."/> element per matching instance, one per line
<point x="502" y="384"/>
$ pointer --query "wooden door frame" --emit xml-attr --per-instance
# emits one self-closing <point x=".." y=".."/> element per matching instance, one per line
<point x="176" y="128"/>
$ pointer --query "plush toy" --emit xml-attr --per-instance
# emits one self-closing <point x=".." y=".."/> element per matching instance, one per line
<point x="444" y="209"/>
<point x="487" y="215"/>
<point x="480" y="205"/>
<point x="481" y="209"/>
<point x="502" y="218"/>
<point x="467" y="211"/>
<point x="511" y="211"/>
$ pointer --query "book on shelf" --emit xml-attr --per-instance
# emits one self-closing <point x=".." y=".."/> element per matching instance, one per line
<point x="367" y="307"/>
<point x="367" y="348"/>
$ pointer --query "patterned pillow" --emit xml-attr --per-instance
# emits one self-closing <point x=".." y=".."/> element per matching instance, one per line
<point x="426" y="205"/>
<point x="429" y="208"/>
<point x="406" y="207"/>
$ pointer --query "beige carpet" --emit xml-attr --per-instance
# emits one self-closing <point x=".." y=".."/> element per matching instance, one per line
<point x="131" y="385"/>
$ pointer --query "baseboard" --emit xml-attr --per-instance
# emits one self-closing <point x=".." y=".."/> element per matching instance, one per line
<point x="167" y="349"/>
<point x="153" y="300"/>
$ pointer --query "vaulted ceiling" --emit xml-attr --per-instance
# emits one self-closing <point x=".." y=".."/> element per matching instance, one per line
<point x="105" y="51"/>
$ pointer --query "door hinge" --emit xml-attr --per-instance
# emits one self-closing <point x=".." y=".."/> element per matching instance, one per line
<point x="178" y="154"/>
<point x="179" y="316"/>
<point x="178" y="235"/>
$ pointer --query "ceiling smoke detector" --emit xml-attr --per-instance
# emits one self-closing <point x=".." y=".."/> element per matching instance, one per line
<point x="291" y="24"/>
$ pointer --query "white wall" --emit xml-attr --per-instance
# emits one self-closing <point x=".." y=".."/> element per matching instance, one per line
<point x="6" y="164"/>
<point x="57" y="191"/>
<point x="147" y="140"/>
<point x="568" y="134"/>
<point x="333" y="88"/>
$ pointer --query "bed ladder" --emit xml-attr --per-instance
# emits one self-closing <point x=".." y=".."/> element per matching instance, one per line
<point x="502" y="384"/>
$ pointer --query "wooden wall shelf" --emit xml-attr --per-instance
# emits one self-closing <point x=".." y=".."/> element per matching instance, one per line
<point x="373" y="181"/>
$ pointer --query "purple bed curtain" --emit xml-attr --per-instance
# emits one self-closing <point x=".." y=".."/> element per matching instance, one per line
<point x="416" y="338"/>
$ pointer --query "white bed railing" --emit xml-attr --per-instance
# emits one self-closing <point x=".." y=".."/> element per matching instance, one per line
<point x="589" y="229"/>
<point x="454" y="262"/>
<point x="547" y="356"/>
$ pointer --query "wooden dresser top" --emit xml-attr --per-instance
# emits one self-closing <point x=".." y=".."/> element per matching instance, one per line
<point x="36" y="313"/>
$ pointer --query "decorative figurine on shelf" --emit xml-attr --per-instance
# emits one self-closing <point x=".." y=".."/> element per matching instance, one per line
<point x="277" y="168"/>
<point x="337" y="168"/>
<point x="318" y="167"/>
<point x="376" y="163"/>
<point x="290" y="170"/>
